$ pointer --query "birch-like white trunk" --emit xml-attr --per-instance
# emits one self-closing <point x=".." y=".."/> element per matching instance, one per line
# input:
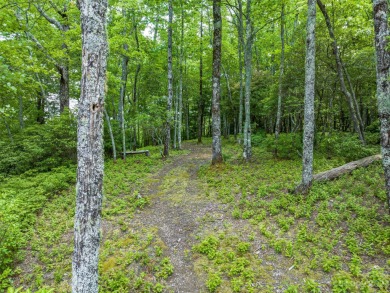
<point x="216" y="111"/>
<point x="381" y="10"/>
<point x="90" y="147"/>
<point x="170" y="83"/>
<point x="308" y="130"/>
<point x="248" y="78"/>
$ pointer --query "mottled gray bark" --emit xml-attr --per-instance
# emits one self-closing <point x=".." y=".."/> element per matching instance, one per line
<point x="90" y="147"/>
<point x="240" y="30"/>
<point x="308" y="130"/>
<point x="247" y="154"/>
<point x="339" y="66"/>
<point x="281" y="73"/>
<point x="216" y="111"/>
<point x="381" y="10"/>
<point x="180" y="110"/>
<point x="200" y="101"/>
<point x="170" y="84"/>
<point x="111" y="134"/>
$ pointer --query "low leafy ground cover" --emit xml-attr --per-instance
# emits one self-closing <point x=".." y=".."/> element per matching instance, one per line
<point x="263" y="239"/>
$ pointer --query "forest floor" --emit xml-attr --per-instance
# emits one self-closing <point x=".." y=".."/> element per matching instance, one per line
<point x="182" y="225"/>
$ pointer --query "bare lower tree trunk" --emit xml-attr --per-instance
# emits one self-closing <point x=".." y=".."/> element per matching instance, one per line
<point x="357" y="126"/>
<point x="121" y="110"/>
<point x="281" y="73"/>
<point x="180" y="110"/>
<point x="240" y="29"/>
<point x="170" y="84"/>
<point x="90" y="147"/>
<point x="111" y="134"/>
<point x="248" y="78"/>
<point x="216" y="111"/>
<point x="64" y="87"/>
<point x="381" y="10"/>
<point x="200" y="101"/>
<point x="308" y="131"/>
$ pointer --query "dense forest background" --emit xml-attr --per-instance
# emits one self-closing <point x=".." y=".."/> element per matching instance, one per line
<point x="40" y="61"/>
<point x="339" y="229"/>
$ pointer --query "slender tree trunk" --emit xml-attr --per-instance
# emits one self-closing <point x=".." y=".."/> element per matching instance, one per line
<point x="248" y="78"/>
<point x="111" y="134"/>
<point x="281" y="73"/>
<point x="381" y="10"/>
<point x="175" y="118"/>
<point x="200" y="102"/>
<point x="216" y="111"/>
<point x="170" y="84"/>
<point x="135" y="88"/>
<point x="180" y="110"/>
<point x="348" y="95"/>
<point x="90" y="147"/>
<point x="64" y="87"/>
<point x="241" y="43"/>
<point x="308" y="131"/>
<point x="21" y="121"/>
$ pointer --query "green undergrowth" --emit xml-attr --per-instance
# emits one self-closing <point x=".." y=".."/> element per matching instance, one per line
<point x="21" y="199"/>
<point x="336" y="238"/>
<point x="129" y="260"/>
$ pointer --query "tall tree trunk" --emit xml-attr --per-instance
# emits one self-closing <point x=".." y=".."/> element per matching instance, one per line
<point x="241" y="43"/>
<point x="381" y="10"/>
<point x="90" y="147"/>
<point x="135" y="89"/>
<point x="216" y="111"/>
<point x="357" y="126"/>
<point x="308" y="130"/>
<point x="180" y="110"/>
<point x="248" y="78"/>
<point x="170" y="84"/>
<point x="111" y="134"/>
<point x="121" y="110"/>
<point x="200" y="101"/>
<point x="281" y="73"/>
<point x="64" y="87"/>
<point x="40" y="108"/>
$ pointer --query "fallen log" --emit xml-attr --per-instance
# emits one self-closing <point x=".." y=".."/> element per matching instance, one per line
<point x="337" y="172"/>
<point x="347" y="168"/>
<point x="146" y="152"/>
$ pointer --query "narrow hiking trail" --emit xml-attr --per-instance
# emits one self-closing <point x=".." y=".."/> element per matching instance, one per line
<point x="176" y="208"/>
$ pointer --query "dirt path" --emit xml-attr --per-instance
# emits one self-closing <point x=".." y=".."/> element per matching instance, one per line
<point x="176" y="208"/>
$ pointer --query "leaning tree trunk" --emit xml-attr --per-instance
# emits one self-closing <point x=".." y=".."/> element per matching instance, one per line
<point x="170" y="84"/>
<point x="216" y="111"/>
<point x="248" y="77"/>
<point x="310" y="70"/>
<point x="90" y="147"/>
<point x="339" y="65"/>
<point x="111" y="134"/>
<point x="381" y="9"/>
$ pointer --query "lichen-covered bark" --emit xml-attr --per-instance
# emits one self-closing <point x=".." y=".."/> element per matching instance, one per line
<point x="216" y="111"/>
<point x="381" y="9"/>
<point x="90" y="146"/>
<point x="308" y="131"/>
<point x="248" y="78"/>
<point x="281" y="73"/>
<point x="170" y="84"/>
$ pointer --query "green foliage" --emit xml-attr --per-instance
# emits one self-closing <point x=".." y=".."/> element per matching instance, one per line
<point x="20" y="200"/>
<point x="213" y="281"/>
<point x="345" y="146"/>
<point x="40" y="147"/>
